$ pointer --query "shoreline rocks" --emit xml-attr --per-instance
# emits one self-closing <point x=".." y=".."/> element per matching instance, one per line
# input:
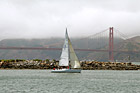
<point x="94" y="65"/>
<point x="47" y="64"/>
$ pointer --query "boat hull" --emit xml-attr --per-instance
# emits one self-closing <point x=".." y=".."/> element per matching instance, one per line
<point x="66" y="71"/>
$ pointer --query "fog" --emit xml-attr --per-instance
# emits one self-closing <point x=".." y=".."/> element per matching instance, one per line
<point x="49" y="18"/>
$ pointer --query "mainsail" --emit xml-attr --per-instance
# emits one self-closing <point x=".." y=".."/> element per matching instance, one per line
<point x="64" y="59"/>
<point x="68" y="56"/>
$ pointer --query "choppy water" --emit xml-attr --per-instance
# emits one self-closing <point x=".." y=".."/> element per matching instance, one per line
<point x="89" y="81"/>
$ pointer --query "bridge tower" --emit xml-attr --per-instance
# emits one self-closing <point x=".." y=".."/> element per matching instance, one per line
<point x="111" y="44"/>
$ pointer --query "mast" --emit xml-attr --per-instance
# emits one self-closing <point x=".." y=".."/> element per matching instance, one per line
<point x="68" y="47"/>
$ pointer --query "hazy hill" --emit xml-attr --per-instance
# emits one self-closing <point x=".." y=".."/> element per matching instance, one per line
<point x="131" y="44"/>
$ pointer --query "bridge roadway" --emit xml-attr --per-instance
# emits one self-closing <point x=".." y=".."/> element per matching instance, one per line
<point x="42" y="48"/>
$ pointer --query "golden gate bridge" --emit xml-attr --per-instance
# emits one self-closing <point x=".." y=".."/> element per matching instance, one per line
<point x="108" y="33"/>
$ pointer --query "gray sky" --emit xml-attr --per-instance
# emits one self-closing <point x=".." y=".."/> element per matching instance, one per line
<point x="49" y="18"/>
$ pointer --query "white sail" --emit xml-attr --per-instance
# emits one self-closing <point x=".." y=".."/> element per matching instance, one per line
<point x="64" y="59"/>
<point x="74" y="62"/>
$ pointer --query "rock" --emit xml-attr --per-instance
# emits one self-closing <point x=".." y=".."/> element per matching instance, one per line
<point x="85" y="65"/>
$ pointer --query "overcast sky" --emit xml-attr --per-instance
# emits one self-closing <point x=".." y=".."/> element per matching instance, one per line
<point x="49" y="18"/>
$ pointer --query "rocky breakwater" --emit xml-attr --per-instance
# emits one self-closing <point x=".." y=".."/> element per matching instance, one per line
<point x="50" y="64"/>
<point x="28" y="64"/>
<point x="94" y="65"/>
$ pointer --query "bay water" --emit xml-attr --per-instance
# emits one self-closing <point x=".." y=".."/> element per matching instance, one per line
<point x="88" y="81"/>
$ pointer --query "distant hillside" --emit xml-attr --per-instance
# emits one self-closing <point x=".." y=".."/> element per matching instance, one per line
<point x="131" y="44"/>
<point x="29" y="54"/>
<point x="44" y="54"/>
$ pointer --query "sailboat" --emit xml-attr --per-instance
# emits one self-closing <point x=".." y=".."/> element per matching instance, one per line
<point x="68" y="62"/>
